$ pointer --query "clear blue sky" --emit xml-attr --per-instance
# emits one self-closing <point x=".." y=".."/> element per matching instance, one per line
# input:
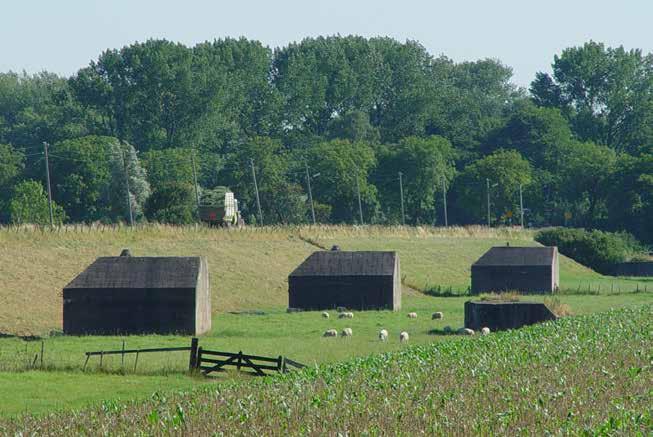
<point x="63" y="36"/>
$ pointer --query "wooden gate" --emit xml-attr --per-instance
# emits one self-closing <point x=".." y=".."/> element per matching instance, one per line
<point x="215" y="361"/>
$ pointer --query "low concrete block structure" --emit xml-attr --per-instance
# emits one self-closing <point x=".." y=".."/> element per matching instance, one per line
<point x="524" y="269"/>
<point x="499" y="316"/>
<point x="139" y="295"/>
<point x="355" y="280"/>
<point x="641" y="268"/>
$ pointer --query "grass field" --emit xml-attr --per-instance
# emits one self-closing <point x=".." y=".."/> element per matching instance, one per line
<point x="587" y="375"/>
<point x="248" y="272"/>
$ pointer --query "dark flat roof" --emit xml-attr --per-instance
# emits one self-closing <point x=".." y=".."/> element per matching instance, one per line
<point x="342" y="263"/>
<point x="517" y="256"/>
<point x="139" y="272"/>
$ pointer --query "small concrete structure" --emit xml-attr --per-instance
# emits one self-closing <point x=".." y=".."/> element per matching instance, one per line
<point x="355" y="280"/>
<point x="499" y="316"/>
<point x="524" y="269"/>
<point x="641" y="268"/>
<point x="139" y="295"/>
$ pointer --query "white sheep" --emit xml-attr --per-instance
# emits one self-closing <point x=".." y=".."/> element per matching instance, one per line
<point x="403" y="337"/>
<point x="325" y="315"/>
<point x="346" y="315"/>
<point x="330" y="333"/>
<point x="437" y="315"/>
<point x="466" y="331"/>
<point x="485" y="330"/>
<point x="412" y="315"/>
<point x="347" y="332"/>
<point x="383" y="335"/>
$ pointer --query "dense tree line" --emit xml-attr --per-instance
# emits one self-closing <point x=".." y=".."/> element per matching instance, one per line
<point x="350" y="113"/>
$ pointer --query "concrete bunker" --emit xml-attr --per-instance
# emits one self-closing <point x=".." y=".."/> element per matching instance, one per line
<point x="499" y="316"/>
<point x="523" y="269"/>
<point x="363" y="280"/>
<point x="139" y="295"/>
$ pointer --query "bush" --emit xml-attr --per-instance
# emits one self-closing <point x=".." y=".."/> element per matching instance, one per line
<point x="596" y="249"/>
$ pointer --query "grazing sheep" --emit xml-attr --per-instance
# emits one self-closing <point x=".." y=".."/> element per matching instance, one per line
<point x="437" y="315"/>
<point x="383" y="335"/>
<point x="325" y="315"/>
<point x="346" y="315"/>
<point x="447" y="329"/>
<point x="412" y="315"/>
<point x="485" y="331"/>
<point x="347" y="332"/>
<point x="403" y="337"/>
<point x="330" y="333"/>
<point x="466" y="331"/>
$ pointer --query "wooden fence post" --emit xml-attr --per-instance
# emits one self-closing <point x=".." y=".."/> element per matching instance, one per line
<point x="193" y="362"/>
<point x="240" y="359"/>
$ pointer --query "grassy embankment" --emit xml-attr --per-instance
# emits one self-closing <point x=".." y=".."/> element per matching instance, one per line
<point x="581" y="375"/>
<point x="248" y="272"/>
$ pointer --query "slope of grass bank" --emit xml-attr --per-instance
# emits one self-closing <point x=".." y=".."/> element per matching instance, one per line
<point x="581" y="374"/>
<point x="248" y="267"/>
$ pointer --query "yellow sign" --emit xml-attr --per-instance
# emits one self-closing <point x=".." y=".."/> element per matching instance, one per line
<point x="567" y="215"/>
<point x="509" y="214"/>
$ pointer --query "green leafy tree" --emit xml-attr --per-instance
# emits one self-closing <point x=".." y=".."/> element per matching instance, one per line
<point x="586" y="171"/>
<point x="606" y="93"/>
<point x="505" y="171"/>
<point x="11" y="167"/>
<point x="630" y="196"/>
<point x="173" y="202"/>
<point x="29" y="204"/>
<point x="339" y="164"/>
<point x="282" y="200"/>
<point x="425" y="163"/>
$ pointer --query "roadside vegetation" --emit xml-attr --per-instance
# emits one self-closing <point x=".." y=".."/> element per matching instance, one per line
<point x="588" y="374"/>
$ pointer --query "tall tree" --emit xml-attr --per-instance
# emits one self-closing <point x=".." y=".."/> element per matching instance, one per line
<point x="607" y="94"/>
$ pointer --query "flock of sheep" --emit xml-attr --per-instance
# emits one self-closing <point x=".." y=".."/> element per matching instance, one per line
<point x="383" y="333"/>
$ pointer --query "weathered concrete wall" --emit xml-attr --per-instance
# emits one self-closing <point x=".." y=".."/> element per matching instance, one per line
<point x="355" y="292"/>
<point x="528" y="279"/>
<point x="129" y="311"/>
<point x="500" y="316"/>
<point x="644" y="268"/>
<point x="203" y="300"/>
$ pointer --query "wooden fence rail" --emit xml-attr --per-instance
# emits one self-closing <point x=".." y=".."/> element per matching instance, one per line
<point x="240" y="360"/>
<point x="208" y="361"/>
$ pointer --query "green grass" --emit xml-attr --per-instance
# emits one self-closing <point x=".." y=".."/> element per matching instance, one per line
<point x="580" y="375"/>
<point x="295" y="335"/>
<point x="248" y="271"/>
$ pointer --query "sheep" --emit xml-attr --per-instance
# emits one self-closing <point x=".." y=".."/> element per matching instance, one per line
<point x="412" y="315"/>
<point x="403" y="337"/>
<point x="485" y="330"/>
<point x="437" y="315"/>
<point x="330" y="333"/>
<point x="347" y="332"/>
<point x="325" y="315"/>
<point x="466" y="331"/>
<point x="383" y="335"/>
<point x="346" y="315"/>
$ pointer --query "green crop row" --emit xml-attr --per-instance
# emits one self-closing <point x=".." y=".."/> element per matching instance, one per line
<point x="580" y="375"/>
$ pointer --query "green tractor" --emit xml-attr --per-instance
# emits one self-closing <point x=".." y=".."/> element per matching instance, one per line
<point x="219" y="207"/>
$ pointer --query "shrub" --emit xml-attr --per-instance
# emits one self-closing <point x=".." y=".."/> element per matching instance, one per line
<point x="596" y="249"/>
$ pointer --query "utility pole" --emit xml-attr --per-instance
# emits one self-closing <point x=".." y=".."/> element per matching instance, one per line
<point x="487" y="183"/>
<point x="444" y="201"/>
<point x="521" y="206"/>
<point x="47" y="177"/>
<point x="197" y="193"/>
<point x="258" y="200"/>
<point x="358" y="192"/>
<point x="129" y="199"/>
<point x="401" y="192"/>
<point x="310" y="193"/>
